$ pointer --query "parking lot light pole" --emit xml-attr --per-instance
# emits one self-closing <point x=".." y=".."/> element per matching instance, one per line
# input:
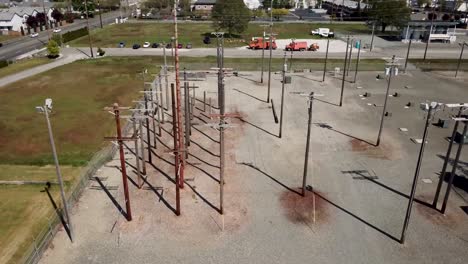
<point x="45" y="109"/>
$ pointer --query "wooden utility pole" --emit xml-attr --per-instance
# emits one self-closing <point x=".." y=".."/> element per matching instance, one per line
<point x="178" y="96"/>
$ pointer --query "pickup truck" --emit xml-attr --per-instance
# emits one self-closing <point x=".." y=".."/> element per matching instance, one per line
<point x="297" y="46"/>
<point x="323" y="32"/>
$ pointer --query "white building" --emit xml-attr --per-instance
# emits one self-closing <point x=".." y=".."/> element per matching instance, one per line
<point x="13" y="18"/>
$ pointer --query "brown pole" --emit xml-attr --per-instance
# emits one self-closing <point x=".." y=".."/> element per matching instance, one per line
<point x="177" y="81"/>
<point x="142" y="146"/>
<point x="122" y="162"/>
<point x="176" y="156"/>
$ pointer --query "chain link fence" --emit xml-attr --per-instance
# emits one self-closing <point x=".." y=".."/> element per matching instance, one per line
<point x="41" y="240"/>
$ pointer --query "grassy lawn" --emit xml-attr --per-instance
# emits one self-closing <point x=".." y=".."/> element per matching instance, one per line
<point x="7" y="37"/>
<point x="80" y="91"/>
<point x="132" y="33"/>
<point x="22" y="65"/>
<point x="439" y="64"/>
<point x="24" y="213"/>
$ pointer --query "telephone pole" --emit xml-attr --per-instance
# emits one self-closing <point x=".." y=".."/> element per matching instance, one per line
<point x="271" y="51"/>
<point x="263" y="50"/>
<point x="326" y="59"/>
<point x="179" y="96"/>
<point x="344" y="72"/>
<point x="283" y="81"/>
<point x="391" y="72"/>
<point x="431" y="107"/>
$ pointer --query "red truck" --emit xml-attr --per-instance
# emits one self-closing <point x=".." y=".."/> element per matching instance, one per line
<point x="297" y="46"/>
<point x="258" y="43"/>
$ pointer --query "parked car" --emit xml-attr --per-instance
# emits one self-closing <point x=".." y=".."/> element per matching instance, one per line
<point x="155" y="45"/>
<point x="136" y="46"/>
<point x="34" y="34"/>
<point x="189" y="45"/>
<point x="122" y="45"/>
<point x="207" y="40"/>
<point x="146" y="44"/>
<point x="57" y="30"/>
<point x="180" y="46"/>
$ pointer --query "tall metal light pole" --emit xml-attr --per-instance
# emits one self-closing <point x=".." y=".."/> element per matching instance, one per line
<point x="263" y="50"/>
<point x="306" y="159"/>
<point x="372" y="39"/>
<point x="285" y="68"/>
<point x="407" y="54"/>
<point x="431" y="107"/>
<point x="271" y="51"/>
<point x="326" y="59"/>
<point x="344" y="72"/>
<point x="89" y="31"/>
<point x="390" y="74"/>
<point x="460" y="58"/>
<point x="100" y="13"/>
<point x="430" y="31"/>
<point x="45" y="109"/>
<point x="357" y="62"/>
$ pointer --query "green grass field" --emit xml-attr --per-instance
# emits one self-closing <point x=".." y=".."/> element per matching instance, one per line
<point x="7" y="37"/>
<point x="22" y="65"/>
<point x="131" y="33"/>
<point x="439" y="64"/>
<point x="80" y="91"/>
<point x="24" y="209"/>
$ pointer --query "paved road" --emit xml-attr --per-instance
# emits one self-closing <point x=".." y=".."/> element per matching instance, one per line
<point x="25" y="44"/>
<point x="440" y="51"/>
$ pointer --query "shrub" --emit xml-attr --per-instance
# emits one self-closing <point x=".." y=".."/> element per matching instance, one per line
<point x="53" y="49"/>
<point x="100" y="52"/>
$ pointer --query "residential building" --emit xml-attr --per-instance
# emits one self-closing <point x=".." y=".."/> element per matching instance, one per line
<point x="14" y="18"/>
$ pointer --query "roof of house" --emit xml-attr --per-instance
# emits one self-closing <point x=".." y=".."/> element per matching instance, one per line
<point x="205" y="2"/>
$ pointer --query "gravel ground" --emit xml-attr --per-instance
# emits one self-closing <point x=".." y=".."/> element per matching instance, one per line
<point x="358" y="218"/>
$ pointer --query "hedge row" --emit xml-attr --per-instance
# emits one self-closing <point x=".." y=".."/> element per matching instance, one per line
<point x="69" y="36"/>
<point x="3" y="63"/>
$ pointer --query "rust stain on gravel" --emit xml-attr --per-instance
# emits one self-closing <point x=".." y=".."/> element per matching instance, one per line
<point x="385" y="151"/>
<point x="299" y="210"/>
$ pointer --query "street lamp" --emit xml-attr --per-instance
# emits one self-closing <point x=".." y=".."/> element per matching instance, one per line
<point x="45" y="109"/>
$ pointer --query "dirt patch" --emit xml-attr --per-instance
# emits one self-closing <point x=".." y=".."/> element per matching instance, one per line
<point x="454" y="217"/>
<point x="385" y="151"/>
<point x="300" y="210"/>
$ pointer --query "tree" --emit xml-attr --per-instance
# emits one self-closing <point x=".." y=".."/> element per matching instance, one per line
<point x="79" y="5"/>
<point x="422" y="3"/>
<point x="53" y="49"/>
<point x="57" y="15"/>
<point x="266" y="4"/>
<point x="231" y="15"/>
<point x="31" y="21"/>
<point x="41" y="18"/>
<point x="398" y="17"/>
<point x="279" y="12"/>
